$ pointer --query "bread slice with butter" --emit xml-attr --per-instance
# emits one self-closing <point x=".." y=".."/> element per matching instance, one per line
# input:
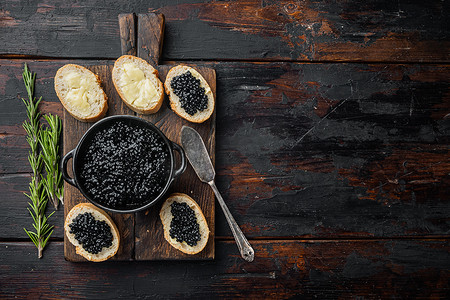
<point x="80" y="93"/>
<point x="195" y="99"/>
<point x="138" y="84"/>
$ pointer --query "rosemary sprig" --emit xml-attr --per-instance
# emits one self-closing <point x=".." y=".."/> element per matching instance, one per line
<point x="49" y="140"/>
<point x="37" y="193"/>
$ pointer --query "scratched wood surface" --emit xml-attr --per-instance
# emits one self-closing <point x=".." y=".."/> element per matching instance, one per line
<point x="282" y="269"/>
<point x="362" y="30"/>
<point x="338" y="172"/>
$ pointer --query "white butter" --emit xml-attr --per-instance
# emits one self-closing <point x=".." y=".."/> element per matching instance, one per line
<point x="138" y="89"/>
<point x="79" y="91"/>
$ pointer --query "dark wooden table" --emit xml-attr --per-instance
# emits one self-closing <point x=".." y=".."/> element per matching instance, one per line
<point x="333" y="131"/>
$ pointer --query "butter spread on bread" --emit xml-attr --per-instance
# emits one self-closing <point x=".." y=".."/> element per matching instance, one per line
<point x="135" y="86"/>
<point x="138" y="85"/>
<point x="80" y="92"/>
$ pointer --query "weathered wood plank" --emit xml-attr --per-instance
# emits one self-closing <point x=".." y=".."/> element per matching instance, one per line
<point x="397" y="31"/>
<point x="150" y="37"/>
<point x="282" y="269"/>
<point x="127" y="26"/>
<point x="377" y="166"/>
<point x="332" y="147"/>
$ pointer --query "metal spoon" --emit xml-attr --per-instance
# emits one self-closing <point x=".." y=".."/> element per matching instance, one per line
<point x="198" y="157"/>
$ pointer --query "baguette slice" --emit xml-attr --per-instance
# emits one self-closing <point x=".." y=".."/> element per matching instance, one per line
<point x="175" y="104"/>
<point x="98" y="214"/>
<point x="138" y="84"/>
<point x="80" y="93"/>
<point x="166" y="217"/>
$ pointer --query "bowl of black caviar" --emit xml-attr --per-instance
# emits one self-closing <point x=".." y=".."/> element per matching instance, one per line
<point x="123" y="164"/>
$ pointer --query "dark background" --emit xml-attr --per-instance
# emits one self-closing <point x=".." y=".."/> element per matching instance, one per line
<point x="332" y="146"/>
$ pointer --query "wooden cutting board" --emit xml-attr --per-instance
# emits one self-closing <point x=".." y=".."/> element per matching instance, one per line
<point x="141" y="233"/>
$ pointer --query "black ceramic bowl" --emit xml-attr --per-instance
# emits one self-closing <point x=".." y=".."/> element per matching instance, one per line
<point x="81" y="149"/>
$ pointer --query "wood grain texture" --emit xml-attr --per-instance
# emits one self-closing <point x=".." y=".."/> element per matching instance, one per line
<point x="340" y="152"/>
<point x="281" y="270"/>
<point x="73" y="130"/>
<point x="127" y="26"/>
<point x="394" y="31"/>
<point x="150" y="37"/>
<point x="377" y="166"/>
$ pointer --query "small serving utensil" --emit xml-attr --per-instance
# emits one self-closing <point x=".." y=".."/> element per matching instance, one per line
<point x="198" y="157"/>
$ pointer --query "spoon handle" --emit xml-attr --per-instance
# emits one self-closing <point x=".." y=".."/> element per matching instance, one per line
<point x="244" y="246"/>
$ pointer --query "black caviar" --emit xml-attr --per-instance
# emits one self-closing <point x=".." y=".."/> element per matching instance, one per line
<point x="192" y="95"/>
<point x="92" y="234"/>
<point x="184" y="225"/>
<point x="125" y="166"/>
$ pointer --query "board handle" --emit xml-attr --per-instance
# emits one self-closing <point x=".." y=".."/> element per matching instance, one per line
<point x="63" y="168"/>
<point x="150" y="35"/>
<point x="180" y="170"/>
<point x="127" y="26"/>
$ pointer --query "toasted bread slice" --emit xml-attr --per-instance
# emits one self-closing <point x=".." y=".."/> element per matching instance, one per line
<point x="138" y="84"/>
<point x="166" y="219"/>
<point x="100" y="215"/>
<point x="199" y="116"/>
<point x="80" y="93"/>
